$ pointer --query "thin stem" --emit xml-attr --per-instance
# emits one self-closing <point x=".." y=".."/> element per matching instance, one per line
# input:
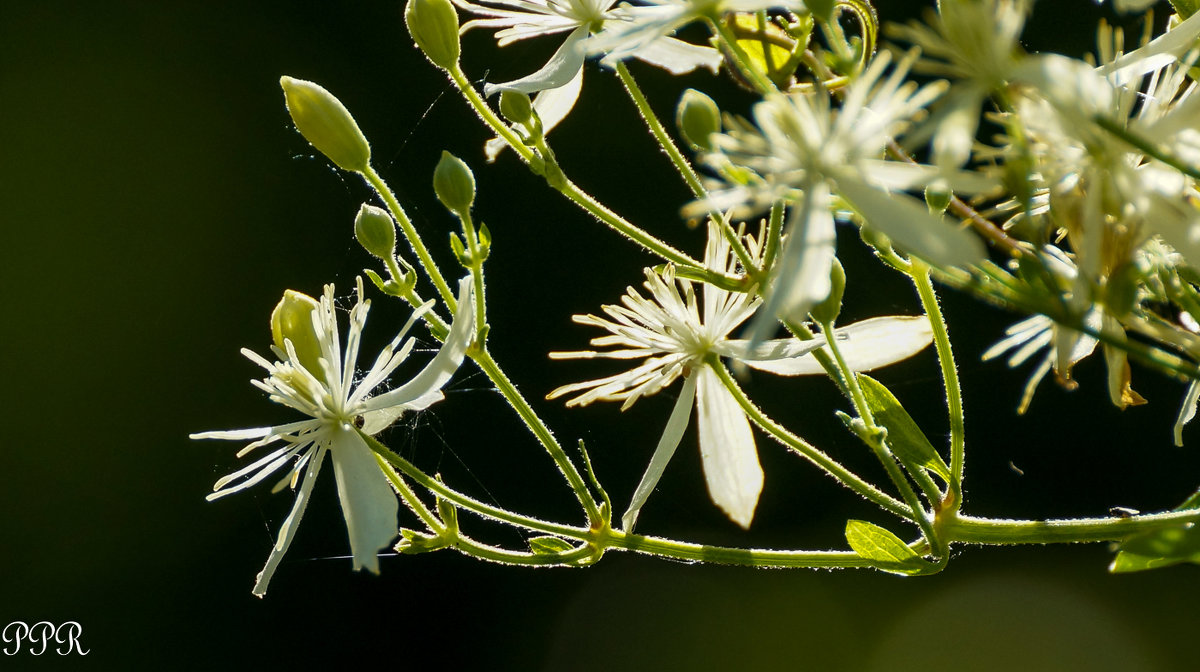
<point x="874" y="436"/>
<point x="509" y="391"/>
<point x="941" y="341"/>
<point x="410" y="233"/>
<point x="753" y="75"/>
<point x="973" y="530"/>
<point x="810" y="452"/>
<point x="683" y="166"/>
<point x="603" y="539"/>
<point x="1146" y="147"/>
<point x="564" y="185"/>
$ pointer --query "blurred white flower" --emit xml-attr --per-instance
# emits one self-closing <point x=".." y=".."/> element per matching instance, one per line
<point x="638" y="27"/>
<point x="974" y="43"/>
<point x="676" y="336"/>
<point x="314" y="376"/>
<point x="801" y="149"/>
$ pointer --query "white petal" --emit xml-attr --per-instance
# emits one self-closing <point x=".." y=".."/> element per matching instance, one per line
<point x="551" y="105"/>
<point x="1159" y="52"/>
<point x="678" y="57"/>
<point x="727" y="449"/>
<point x="672" y="433"/>
<point x="558" y="71"/>
<point x="1187" y="411"/>
<point x="368" y="502"/>
<point x="290" y="524"/>
<point x="866" y="345"/>
<point x="444" y="363"/>
<point x="911" y="226"/>
<point x="801" y="278"/>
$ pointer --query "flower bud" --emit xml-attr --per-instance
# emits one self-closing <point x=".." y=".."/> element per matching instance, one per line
<point x="292" y="320"/>
<point x="433" y="25"/>
<point x="375" y="231"/>
<point x="697" y="117"/>
<point x="454" y="184"/>
<point x="326" y="124"/>
<point x="826" y="312"/>
<point x="516" y="106"/>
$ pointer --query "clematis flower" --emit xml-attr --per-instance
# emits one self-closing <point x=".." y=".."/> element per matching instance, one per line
<point x="315" y="376"/>
<point x="639" y="26"/>
<point x="676" y="335"/>
<point x="558" y="83"/>
<point x="804" y="151"/>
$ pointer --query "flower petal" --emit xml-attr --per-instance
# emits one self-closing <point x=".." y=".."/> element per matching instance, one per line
<point x="672" y="433"/>
<point x="558" y="71"/>
<point x="911" y="226"/>
<point x="727" y="449"/>
<point x="866" y="345"/>
<point x="678" y="57"/>
<point x="290" y="524"/>
<point x="368" y="502"/>
<point x="444" y="363"/>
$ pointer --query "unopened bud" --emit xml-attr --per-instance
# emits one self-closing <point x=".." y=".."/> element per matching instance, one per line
<point x="454" y="184"/>
<point x="375" y="231"/>
<point x="433" y="25"/>
<point x="326" y="124"/>
<point x="516" y="106"/>
<point x="827" y="311"/>
<point x="697" y="117"/>
<point x="292" y="320"/>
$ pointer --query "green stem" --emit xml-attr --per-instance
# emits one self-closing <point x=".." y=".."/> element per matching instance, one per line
<point x="410" y="233"/>
<point x="683" y="166"/>
<point x="481" y="326"/>
<point x="564" y="185"/>
<point x="973" y="530"/>
<point x="509" y="391"/>
<point x="741" y="59"/>
<point x="810" y="452"/>
<point x="1146" y="147"/>
<point x="602" y="539"/>
<point x="941" y="341"/>
<point x="874" y="436"/>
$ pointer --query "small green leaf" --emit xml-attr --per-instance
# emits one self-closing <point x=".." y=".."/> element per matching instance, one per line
<point x="1161" y="548"/>
<point x="549" y="545"/>
<point x="885" y="549"/>
<point x="905" y="439"/>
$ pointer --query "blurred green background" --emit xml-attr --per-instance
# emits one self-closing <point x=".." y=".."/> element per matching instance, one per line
<point x="156" y="202"/>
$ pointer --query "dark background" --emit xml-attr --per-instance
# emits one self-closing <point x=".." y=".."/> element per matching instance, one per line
<point x="156" y="202"/>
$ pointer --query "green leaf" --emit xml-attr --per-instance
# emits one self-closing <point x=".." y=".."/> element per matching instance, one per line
<point x="549" y="545"/>
<point x="885" y="549"/>
<point x="1161" y="548"/>
<point x="905" y="439"/>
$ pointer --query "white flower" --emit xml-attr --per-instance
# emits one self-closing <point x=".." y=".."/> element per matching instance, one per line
<point x="801" y="149"/>
<point x="676" y="335"/>
<point x="314" y="376"/>
<point x="638" y="27"/>
<point x="557" y="84"/>
<point x="1066" y="347"/>
<point x="975" y="43"/>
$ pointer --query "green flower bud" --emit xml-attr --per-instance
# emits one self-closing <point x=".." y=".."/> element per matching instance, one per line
<point x="938" y="199"/>
<point x="697" y="117"/>
<point x="292" y="320"/>
<point x="433" y="25"/>
<point x="454" y="184"/>
<point x="375" y="231"/>
<point x="827" y="311"/>
<point x="516" y="106"/>
<point x="326" y="124"/>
